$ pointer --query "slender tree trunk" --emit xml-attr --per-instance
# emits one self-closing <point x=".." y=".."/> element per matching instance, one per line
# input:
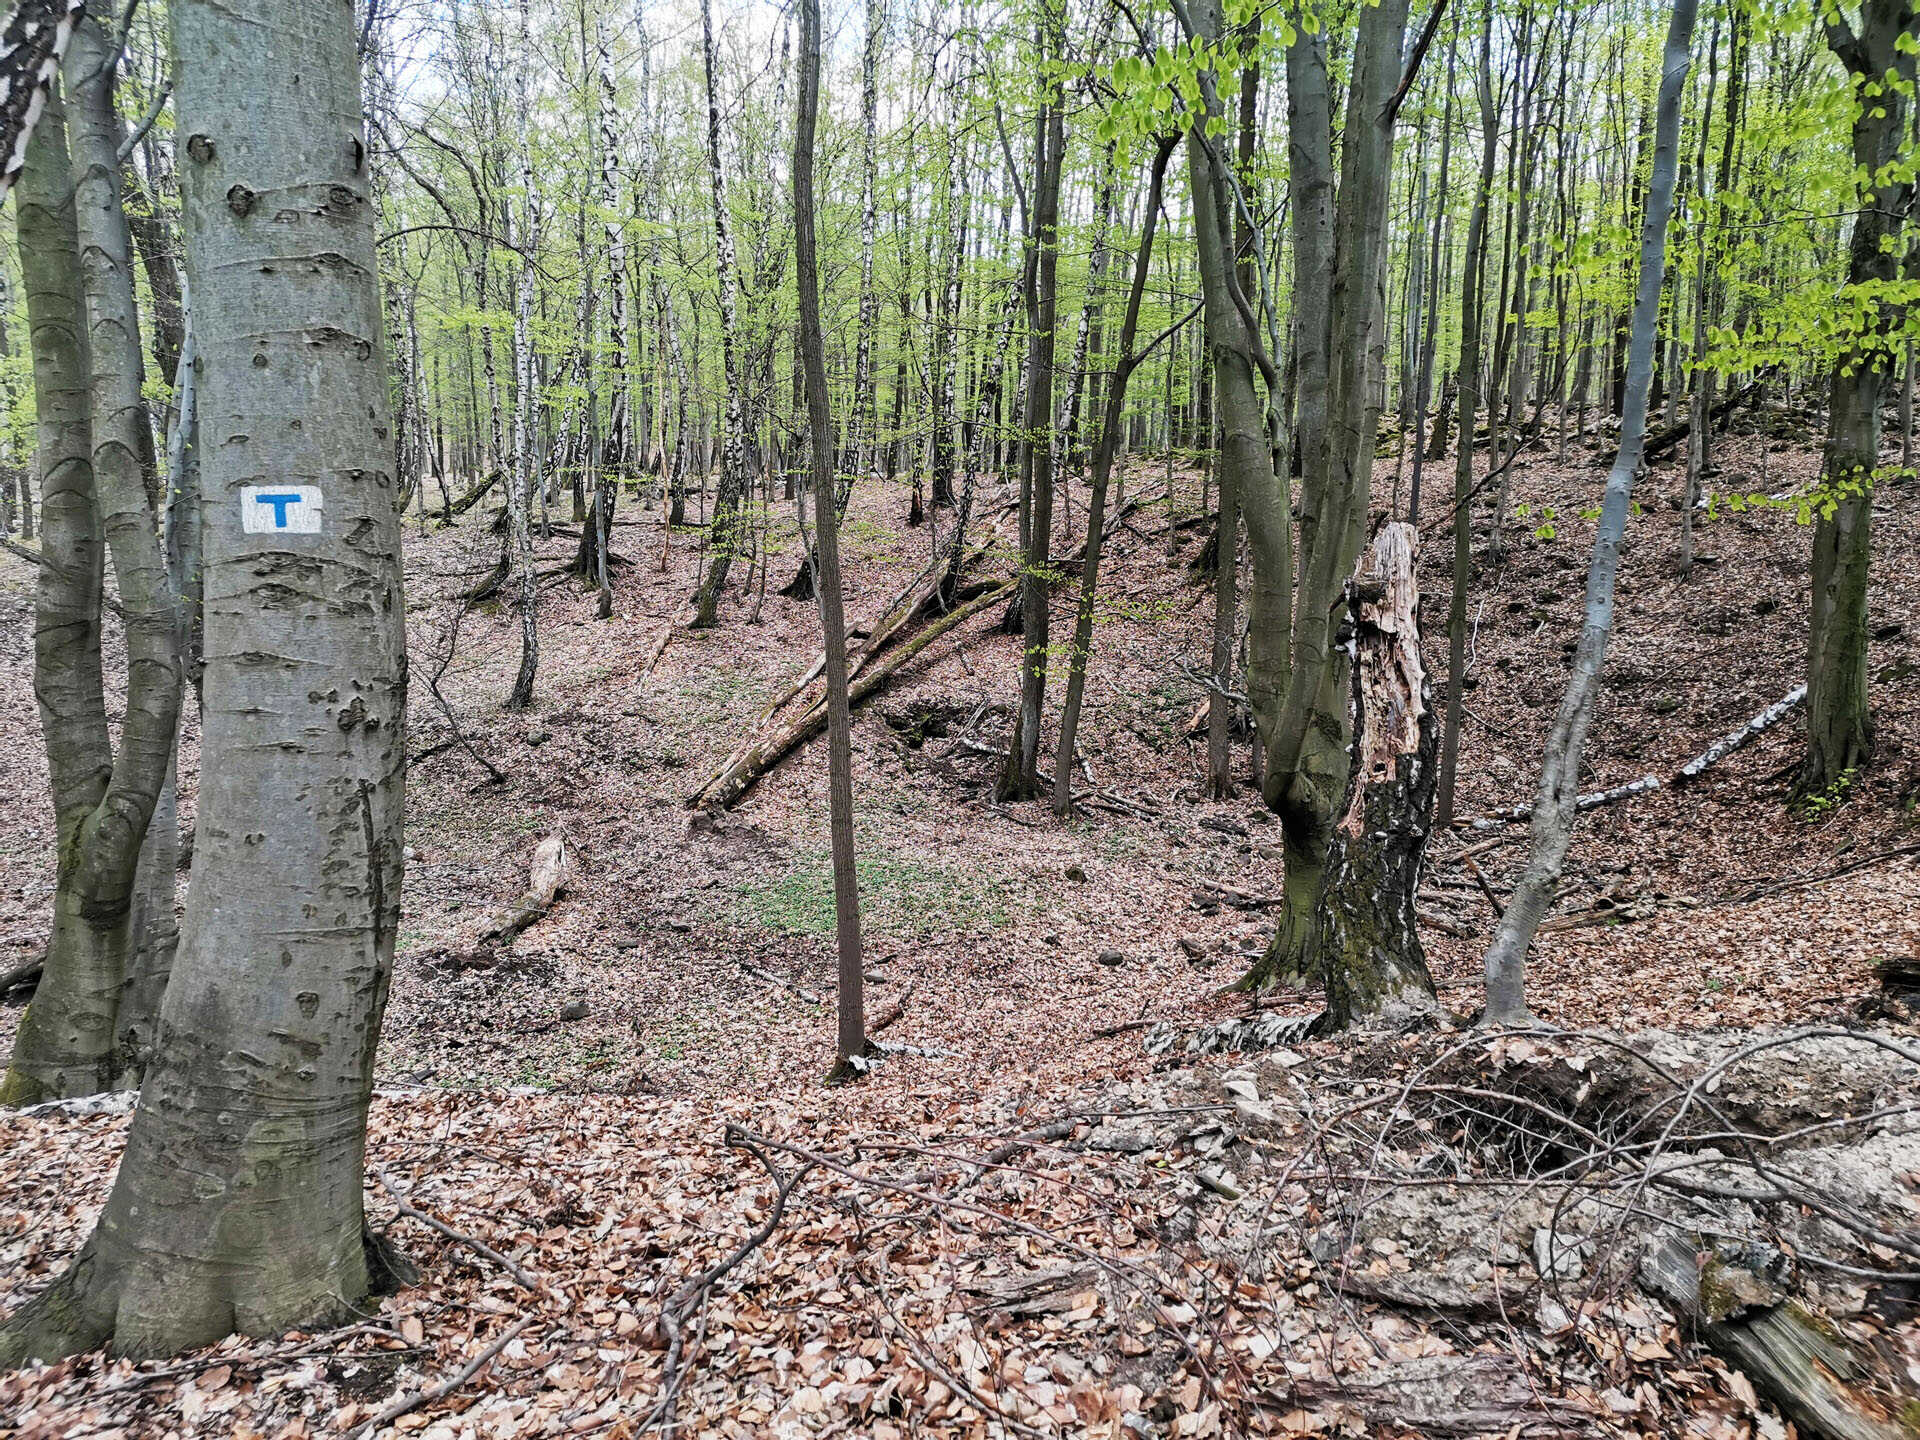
<point x="852" y="1040"/>
<point x="1020" y="779"/>
<point x="1469" y="390"/>
<point x="1839" y="727"/>
<point x="1103" y="457"/>
<point x="726" y="533"/>
<point x="1247" y="447"/>
<point x="526" y="465"/>
<point x="238" y="1204"/>
<point x="1429" y="345"/>
<point x="1554" y="809"/>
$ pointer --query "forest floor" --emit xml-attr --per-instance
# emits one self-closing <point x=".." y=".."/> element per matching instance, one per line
<point x="568" y="1101"/>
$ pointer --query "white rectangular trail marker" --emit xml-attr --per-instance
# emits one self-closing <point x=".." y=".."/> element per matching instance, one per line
<point x="280" y="509"/>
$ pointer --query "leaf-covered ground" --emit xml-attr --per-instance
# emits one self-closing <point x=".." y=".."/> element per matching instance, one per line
<point x="1021" y="960"/>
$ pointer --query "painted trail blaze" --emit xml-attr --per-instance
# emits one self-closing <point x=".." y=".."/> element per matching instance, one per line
<point x="280" y="509"/>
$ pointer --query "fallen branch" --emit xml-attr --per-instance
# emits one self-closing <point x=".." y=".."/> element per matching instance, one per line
<point x="675" y="1312"/>
<point x="413" y="1212"/>
<point x="772" y="979"/>
<point x="408" y="1403"/>
<point x="1692" y="770"/>
<point x="467" y="501"/>
<point x="892" y="1015"/>
<point x="1665" y="440"/>
<point x="23" y="976"/>
<point x="666" y="639"/>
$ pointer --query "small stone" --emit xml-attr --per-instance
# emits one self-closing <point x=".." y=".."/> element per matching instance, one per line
<point x="574" y="1010"/>
<point x="1111" y="958"/>
<point x="539" y="737"/>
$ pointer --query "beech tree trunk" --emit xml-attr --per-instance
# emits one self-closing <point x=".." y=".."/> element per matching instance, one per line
<point x="1105" y="449"/>
<point x="526" y="464"/>
<point x="1839" y="727"/>
<point x="1341" y="347"/>
<point x="1020" y="777"/>
<point x="852" y="1030"/>
<point x="1559" y="793"/>
<point x="65" y="1045"/>
<point x="60" y="1047"/>
<point x="238" y="1205"/>
<point x="1469" y="387"/>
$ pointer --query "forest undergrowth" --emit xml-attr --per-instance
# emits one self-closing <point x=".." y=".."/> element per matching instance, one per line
<point x="608" y="1147"/>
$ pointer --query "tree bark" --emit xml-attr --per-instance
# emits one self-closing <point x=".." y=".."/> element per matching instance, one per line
<point x="725" y="534"/>
<point x="1105" y="449"/>
<point x="65" y="1045"/>
<point x="852" y="1030"/>
<point x="59" y="1049"/>
<point x="1020" y="777"/>
<point x="1559" y="793"/>
<point x="1340" y="343"/>
<point x="1469" y="388"/>
<point x="526" y="464"/>
<point x="238" y="1205"/>
<point x="1371" y="940"/>
<point x="1839" y="726"/>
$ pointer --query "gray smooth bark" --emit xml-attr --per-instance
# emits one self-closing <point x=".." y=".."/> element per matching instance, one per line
<point x="1559" y="793"/>
<point x="238" y="1205"/>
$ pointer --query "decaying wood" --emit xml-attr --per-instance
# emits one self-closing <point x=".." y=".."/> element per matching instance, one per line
<point x="1665" y="440"/>
<point x="1733" y="740"/>
<point x="873" y="658"/>
<point x="545" y="879"/>
<point x="1474" y="1395"/>
<point x="1022" y="1296"/>
<point x="1826" y="1386"/>
<point x="467" y="501"/>
<point x="24" y="976"/>
<point x="748" y="764"/>
<point x="1370" y="934"/>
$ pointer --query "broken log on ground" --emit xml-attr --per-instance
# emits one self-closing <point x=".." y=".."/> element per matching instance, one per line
<point x="1828" y="1386"/>
<point x="545" y="879"/>
<point x="1733" y="740"/>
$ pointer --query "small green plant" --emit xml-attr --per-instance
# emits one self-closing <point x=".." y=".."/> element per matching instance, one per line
<point x="1820" y="805"/>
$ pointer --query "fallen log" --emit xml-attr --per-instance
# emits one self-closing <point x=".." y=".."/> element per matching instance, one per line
<point x="1733" y="740"/>
<point x="467" y="501"/>
<point x="23" y="977"/>
<point x="1827" y="1387"/>
<point x="746" y="767"/>
<point x="1665" y="440"/>
<point x="1471" y="1395"/>
<point x="545" y="879"/>
<point x="920" y="597"/>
